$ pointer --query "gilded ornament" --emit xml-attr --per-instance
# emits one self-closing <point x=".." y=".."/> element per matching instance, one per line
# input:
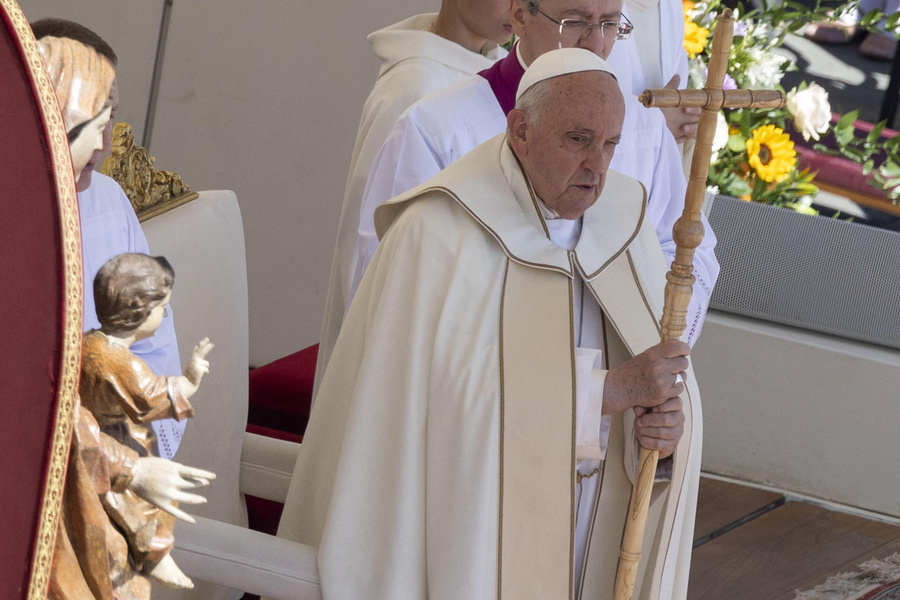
<point x="150" y="191"/>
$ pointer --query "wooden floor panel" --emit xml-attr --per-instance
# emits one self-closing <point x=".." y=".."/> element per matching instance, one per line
<point x="722" y="503"/>
<point x="795" y="546"/>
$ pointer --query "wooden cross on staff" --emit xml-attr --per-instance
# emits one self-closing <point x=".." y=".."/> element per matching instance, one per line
<point x="688" y="233"/>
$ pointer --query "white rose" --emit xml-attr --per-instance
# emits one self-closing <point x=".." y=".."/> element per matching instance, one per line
<point x="811" y="110"/>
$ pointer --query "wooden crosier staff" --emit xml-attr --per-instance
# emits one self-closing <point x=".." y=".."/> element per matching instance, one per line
<point x="688" y="233"/>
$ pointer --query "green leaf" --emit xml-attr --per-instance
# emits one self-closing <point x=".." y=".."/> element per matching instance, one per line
<point x="737" y="142"/>
<point x="876" y="132"/>
<point x="867" y="166"/>
<point x="847" y="119"/>
<point x="737" y="188"/>
<point x="890" y="169"/>
<point x="844" y="136"/>
<point x="890" y="144"/>
<point x="806" y="189"/>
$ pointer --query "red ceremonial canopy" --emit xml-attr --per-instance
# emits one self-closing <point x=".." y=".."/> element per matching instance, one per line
<point x="40" y="309"/>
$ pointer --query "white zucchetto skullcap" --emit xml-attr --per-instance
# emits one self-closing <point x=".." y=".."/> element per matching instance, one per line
<point x="561" y="62"/>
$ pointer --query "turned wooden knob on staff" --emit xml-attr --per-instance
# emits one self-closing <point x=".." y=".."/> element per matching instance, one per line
<point x="687" y="233"/>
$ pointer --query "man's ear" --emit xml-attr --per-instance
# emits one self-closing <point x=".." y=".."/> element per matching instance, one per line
<point x="517" y="17"/>
<point x="517" y="124"/>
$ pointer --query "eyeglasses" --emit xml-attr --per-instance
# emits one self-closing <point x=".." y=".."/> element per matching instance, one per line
<point x="572" y="30"/>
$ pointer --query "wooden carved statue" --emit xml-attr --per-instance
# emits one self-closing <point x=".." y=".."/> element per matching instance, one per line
<point x="114" y="531"/>
<point x="92" y="555"/>
<point x="131" y="294"/>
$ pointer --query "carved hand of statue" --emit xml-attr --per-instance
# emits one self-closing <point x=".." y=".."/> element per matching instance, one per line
<point x="161" y="482"/>
<point x="198" y="366"/>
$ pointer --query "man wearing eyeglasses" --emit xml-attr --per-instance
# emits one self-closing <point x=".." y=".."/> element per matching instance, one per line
<point x="438" y="130"/>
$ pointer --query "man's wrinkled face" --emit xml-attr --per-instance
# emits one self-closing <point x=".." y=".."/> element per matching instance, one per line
<point x="538" y="34"/>
<point x="565" y="144"/>
<point x="84" y="179"/>
<point x="86" y="145"/>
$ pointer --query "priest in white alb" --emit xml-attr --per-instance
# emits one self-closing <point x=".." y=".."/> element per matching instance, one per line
<point x="419" y="56"/>
<point x="477" y="427"/>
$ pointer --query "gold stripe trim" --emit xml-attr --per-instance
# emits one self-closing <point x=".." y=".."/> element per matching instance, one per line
<point x="165" y="207"/>
<point x="496" y="236"/>
<point x="500" y="438"/>
<point x="625" y="246"/>
<point x="534" y="199"/>
<point x="574" y="432"/>
<point x="641" y="291"/>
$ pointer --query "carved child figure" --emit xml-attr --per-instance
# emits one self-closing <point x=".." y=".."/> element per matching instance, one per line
<point x="131" y="293"/>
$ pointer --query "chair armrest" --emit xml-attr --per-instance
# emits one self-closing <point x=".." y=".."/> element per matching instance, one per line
<point x="267" y="465"/>
<point x="247" y="560"/>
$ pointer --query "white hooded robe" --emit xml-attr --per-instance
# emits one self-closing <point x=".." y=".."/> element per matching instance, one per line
<point x="414" y="63"/>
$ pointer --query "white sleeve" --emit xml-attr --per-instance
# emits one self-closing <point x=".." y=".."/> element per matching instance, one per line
<point x="591" y="429"/>
<point x="665" y="205"/>
<point x="677" y="50"/>
<point x="406" y="159"/>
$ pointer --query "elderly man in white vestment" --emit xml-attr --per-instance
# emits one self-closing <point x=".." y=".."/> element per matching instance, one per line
<point x="476" y="430"/>
<point x="419" y="55"/>
<point x="441" y="128"/>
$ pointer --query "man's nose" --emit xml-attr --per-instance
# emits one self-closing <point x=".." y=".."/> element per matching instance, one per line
<point x="597" y="43"/>
<point x="597" y="161"/>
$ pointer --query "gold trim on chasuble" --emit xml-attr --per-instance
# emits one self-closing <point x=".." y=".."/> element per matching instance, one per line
<point x="58" y="145"/>
<point x="531" y="193"/>
<point x="506" y="249"/>
<point x="537" y="436"/>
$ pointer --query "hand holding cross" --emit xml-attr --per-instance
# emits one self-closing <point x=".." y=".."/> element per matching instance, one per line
<point x="688" y="233"/>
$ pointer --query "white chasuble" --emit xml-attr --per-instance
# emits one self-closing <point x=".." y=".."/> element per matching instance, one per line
<point x="439" y="462"/>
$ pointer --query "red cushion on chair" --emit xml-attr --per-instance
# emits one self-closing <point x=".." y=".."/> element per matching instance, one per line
<point x="263" y="515"/>
<point x="281" y="392"/>
<point x="274" y="433"/>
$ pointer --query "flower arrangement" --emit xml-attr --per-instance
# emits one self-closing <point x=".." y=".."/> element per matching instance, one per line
<point x="753" y="154"/>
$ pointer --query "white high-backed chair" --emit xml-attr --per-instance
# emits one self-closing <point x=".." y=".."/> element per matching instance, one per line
<point x="204" y="241"/>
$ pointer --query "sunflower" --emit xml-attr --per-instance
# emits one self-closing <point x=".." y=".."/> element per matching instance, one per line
<point x="771" y="153"/>
<point x="694" y="38"/>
